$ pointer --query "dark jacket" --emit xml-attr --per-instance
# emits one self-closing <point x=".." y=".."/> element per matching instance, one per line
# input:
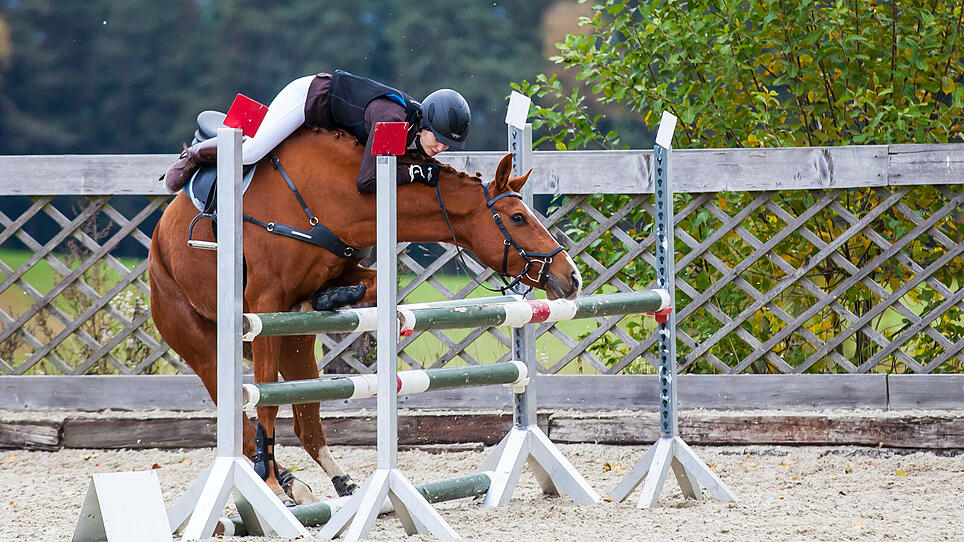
<point x="356" y="104"/>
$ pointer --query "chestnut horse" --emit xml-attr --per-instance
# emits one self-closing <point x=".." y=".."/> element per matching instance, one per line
<point x="282" y="273"/>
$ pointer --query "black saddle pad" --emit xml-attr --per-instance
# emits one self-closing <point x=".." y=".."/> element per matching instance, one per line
<point x="202" y="188"/>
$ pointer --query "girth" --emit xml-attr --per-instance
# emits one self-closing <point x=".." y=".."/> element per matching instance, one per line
<point x="318" y="235"/>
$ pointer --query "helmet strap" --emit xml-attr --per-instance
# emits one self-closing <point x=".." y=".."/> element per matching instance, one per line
<point x="418" y="142"/>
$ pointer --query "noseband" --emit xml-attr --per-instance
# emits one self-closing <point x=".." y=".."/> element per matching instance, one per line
<point x="543" y="259"/>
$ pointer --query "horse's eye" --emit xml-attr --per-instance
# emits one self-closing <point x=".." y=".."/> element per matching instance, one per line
<point x="518" y="218"/>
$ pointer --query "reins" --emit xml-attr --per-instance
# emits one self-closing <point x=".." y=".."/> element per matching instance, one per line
<point x="510" y="283"/>
<point x="321" y="236"/>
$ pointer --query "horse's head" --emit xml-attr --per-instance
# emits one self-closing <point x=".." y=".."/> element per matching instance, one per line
<point x="487" y="217"/>
<point x="493" y="222"/>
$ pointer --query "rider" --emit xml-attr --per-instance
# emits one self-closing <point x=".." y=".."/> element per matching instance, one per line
<point x="354" y="103"/>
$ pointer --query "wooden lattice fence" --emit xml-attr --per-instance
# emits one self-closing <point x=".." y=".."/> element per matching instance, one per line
<point x="844" y="259"/>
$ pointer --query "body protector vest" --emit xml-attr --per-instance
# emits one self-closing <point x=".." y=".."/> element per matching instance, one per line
<point x="350" y="94"/>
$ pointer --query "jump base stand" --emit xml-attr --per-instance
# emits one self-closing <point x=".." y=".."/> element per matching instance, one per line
<point x="200" y="508"/>
<point x="413" y="511"/>
<point x="690" y="471"/>
<point x="669" y="450"/>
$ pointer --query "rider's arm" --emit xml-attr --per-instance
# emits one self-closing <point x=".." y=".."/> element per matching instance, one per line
<point x="379" y="110"/>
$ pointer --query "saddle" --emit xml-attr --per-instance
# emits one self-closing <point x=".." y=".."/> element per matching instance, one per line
<point x="202" y="190"/>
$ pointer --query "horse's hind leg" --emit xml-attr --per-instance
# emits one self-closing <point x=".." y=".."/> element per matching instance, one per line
<point x="299" y="363"/>
<point x="192" y="336"/>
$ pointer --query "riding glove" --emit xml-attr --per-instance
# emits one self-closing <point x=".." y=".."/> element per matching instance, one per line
<point x="425" y="173"/>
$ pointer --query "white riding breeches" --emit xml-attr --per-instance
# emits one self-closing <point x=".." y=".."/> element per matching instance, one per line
<point x="286" y="113"/>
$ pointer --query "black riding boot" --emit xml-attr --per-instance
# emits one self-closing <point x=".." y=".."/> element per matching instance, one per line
<point x="329" y="299"/>
<point x="192" y="157"/>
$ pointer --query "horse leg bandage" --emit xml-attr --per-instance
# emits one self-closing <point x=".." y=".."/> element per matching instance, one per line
<point x="264" y="460"/>
<point x="262" y="456"/>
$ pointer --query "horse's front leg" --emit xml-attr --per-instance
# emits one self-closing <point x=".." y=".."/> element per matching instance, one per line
<point x="298" y="363"/>
<point x="354" y="286"/>
<point x="266" y="352"/>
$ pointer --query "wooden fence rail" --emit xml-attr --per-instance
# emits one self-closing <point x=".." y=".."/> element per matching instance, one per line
<point x="554" y="172"/>
<point x="70" y="305"/>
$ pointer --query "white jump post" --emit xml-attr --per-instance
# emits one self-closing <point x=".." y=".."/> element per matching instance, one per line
<point x="416" y="514"/>
<point x="669" y="450"/>
<point x="526" y="442"/>
<point x="199" y="509"/>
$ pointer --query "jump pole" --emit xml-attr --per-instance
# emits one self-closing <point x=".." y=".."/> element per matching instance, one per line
<point x="356" y="517"/>
<point x="669" y="450"/>
<point x="199" y="509"/>
<point x="509" y="373"/>
<point x="318" y="513"/>
<point x="454" y="316"/>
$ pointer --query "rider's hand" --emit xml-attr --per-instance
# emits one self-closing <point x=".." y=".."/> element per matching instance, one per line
<point x="425" y="173"/>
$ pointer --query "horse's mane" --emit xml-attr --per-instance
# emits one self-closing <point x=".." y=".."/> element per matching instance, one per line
<point x="409" y="156"/>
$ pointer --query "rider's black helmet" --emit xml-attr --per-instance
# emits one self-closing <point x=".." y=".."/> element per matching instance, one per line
<point x="446" y="113"/>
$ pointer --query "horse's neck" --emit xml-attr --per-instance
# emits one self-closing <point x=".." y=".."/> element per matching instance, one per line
<point x="332" y="193"/>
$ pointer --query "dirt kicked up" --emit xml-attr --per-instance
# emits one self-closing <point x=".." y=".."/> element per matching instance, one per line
<point x="786" y="493"/>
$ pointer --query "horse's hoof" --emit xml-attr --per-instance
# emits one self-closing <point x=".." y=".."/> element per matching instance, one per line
<point x="330" y="299"/>
<point x="295" y="488"/>
<point x="284" y="498"/>
<point x="344" y="485"/>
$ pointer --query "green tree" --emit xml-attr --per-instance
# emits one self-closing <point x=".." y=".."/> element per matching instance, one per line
<point x="477" y="48"/>
<point x="772" y="73"/>
<point x="775" y="73"/>
<point x="103" y="76"/>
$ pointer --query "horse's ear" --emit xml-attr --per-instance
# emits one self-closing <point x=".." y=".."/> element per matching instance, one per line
<point x="516" y="183"/>
<point x="502" y="172"/>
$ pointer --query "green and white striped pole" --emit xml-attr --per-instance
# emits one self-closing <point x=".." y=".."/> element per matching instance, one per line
<point x="362" y="386"/>
<point x="513" y="314"/>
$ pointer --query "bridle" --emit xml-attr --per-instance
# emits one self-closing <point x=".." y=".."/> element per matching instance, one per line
<point x="543" y="259"/>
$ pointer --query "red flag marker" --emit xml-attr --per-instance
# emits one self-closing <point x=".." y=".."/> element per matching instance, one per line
<point x="389" y="138"/>
<point x="246" y="114"/>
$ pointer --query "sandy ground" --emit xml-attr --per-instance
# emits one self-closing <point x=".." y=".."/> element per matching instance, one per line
<point x="785" y="493"/>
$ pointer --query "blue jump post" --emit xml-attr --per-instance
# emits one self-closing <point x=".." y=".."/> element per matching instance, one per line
<point x="526" y="442"/>
<point x="669" y="450"/>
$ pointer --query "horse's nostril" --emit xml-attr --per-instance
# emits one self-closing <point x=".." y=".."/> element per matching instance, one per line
<point x="575" y="279"/>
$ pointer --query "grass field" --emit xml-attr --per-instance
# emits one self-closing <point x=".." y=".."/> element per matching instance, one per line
<point x="427" y="348"/>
